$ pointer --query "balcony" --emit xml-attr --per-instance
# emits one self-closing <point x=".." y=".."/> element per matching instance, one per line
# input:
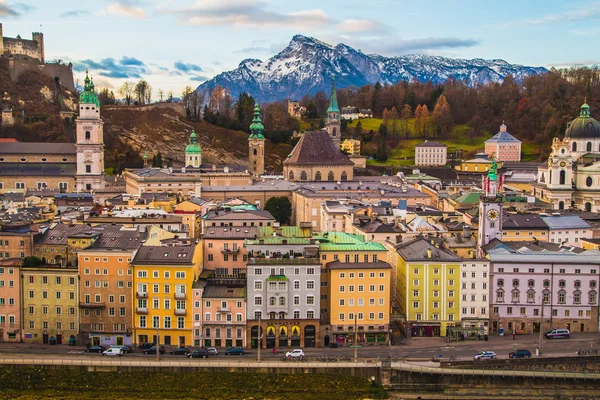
<point x="92" y="305"/>
<point x="180" y="311"/>
<point x="141" y="310"/>
<point x="179" y="296"/>
<point x="285" y="261"/>
<point x="224" y="309"/>
<point x="230" y="251"/>
<point x="141" y="295"/>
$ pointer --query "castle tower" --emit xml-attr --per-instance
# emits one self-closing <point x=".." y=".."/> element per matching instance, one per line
<point x="193" y="152"/>
<point x="256" y="145"/>
<point x="90" y="141"/>
<point x="39" y="38"/>
<point x="332" y="125"/>
<point x="490" y="209"/>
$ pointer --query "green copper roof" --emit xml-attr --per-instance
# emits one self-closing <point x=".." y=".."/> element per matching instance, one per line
<point x="584" y="111"/>
<point x="333" y="105"/>
<point x="342" y="241"/>
<point x="492" y="172"/>
<point x="256" y="127"/>
<point x="145" y="155"/>
<point x="584" y="126"/>
<point x="88" y="96"/>
<point x="193" y="147"/>
<point x="277" y="278"/>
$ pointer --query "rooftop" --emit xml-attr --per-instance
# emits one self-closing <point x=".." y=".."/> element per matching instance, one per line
<point x="317" y="147"/>
<point x="523" y="221"/>
<point x="566" y="222"/>
<point x="342" y="241"/>
<point x="230" y="232"/>
<point x="43" y="148"/>
<point x="239" y="215"/>
<point x="431" y="143"/>
<point x="423" y="250"/>
<point x="336" y="264"/>
<point x="223" y="292"/>
<point x="164" y="255"/>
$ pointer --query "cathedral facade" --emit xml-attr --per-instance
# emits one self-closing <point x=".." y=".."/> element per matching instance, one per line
<point x="571" y="177"/>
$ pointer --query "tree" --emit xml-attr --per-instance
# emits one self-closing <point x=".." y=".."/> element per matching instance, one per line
<point x="170" y="97"/>
<point x="157" y="160"/>
<point x="32" y="261"/>
<point x="160" y="94"/>
<point x="143" y="92"/>
<point x="405" y="115"/>
<point x="381" y="152"/>
<point x="321" y="123"/>
<point x="358" y="129"/>
<point x="441" y="117"/>
<point x="126" y="91"/>
<point x="187" y="100"/>
<point x="280" y="208"/>
<point x="244" y="110"/>
<point x="383" y="130"/>
<point x="106" y="97"/>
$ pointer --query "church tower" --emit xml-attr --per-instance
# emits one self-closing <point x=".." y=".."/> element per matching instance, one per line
<point x="490" y="209"/>
<point x="193" y="152"/>
<point x="256" y="145"/>
<point x="90" y="141"/>
<point x="333" y="117"/>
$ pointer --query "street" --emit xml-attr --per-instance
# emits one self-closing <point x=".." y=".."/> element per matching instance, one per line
<point x="415" y="348"/>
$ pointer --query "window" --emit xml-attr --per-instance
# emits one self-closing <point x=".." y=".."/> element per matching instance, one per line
<point x="310" y="285"/>
<point x="415" y="304"/>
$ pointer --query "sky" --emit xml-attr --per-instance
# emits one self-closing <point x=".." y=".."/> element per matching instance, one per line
<point x="174" y="43"/>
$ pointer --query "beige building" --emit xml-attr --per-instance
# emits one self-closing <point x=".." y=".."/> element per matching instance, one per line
<point x="431" y="153"/>
<point x="10" y="301"/>
<point x="224" y="250"/>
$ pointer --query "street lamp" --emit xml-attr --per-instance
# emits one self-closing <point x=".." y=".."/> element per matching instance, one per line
<point x="157" y="343"/>
<point x="540" y="339"/>
<point x="355" y="339"/>
<point x="259" y="337"/>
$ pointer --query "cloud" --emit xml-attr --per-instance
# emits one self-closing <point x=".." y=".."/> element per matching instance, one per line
<point x="124" y="9"/>
<point x="577" y="63"/>
<point x="583" y="12"/>
<point x="126" y="67"/>
<point x="248" y="13"/>
<point x="187" y="68"/>
<point x="14" y="9"/>
<point x="198" y="78"/>
<point x="395" y="45"/>
<point x="74" y="13"/>
<point x="363" y="26"/>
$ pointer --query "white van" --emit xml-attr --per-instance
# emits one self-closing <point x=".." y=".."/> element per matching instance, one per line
<point x="558" y="334"/>
<point x="113" y="351"/>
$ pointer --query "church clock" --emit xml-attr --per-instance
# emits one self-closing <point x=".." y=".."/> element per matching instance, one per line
<point x="492" y="215"/>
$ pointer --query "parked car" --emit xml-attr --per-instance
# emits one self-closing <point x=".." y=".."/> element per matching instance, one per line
<point x="95" y="349"/>
<point x="199" y="353"/>
<point x="152" y="350"/>
<point x="296" y="353"/>
<point x="181" y="351"/>
<point x="558" y="334"/>
<point x="485" y="355"/>
<point x="333" y="345"/>
<point x="235" y="351"/>
<point x="127" y="349"/>
<point x="145" y="346"/>
<point x="520" y="353"/>
<point x="212" y="351"/>
<point x="113" y="351"/>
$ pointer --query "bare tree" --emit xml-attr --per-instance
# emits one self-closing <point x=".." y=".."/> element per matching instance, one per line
<point x="126" y="91"/>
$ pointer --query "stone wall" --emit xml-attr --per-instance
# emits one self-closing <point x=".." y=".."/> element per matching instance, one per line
<point x="177" y="107"/>
<point x="17" y="66"/>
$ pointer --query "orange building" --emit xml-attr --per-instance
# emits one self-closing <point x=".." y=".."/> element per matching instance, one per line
<point x="224" y="250"/>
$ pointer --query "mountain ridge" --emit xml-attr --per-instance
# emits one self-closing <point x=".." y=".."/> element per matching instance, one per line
<point x="306" y="65"/>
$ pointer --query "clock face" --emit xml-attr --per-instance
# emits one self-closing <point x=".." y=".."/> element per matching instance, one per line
<point x="255" y="140"/>
<point x="492" y="215"/>
<point x="563" y="164"/>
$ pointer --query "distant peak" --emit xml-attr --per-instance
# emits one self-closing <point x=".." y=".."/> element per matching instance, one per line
<point x="249" y="61"/>
<point x="302" y="40"/>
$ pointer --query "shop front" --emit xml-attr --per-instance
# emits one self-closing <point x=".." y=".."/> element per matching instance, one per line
<point x="429" y="329"/>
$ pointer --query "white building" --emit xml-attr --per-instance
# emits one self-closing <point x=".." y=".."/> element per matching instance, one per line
<point x="474" y="302"/>
<point x="567" y="229"/>
<point x="431" y="153"/>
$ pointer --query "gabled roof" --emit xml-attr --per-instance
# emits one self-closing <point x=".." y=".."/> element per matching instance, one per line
<point x="223" y="292"/>
<point x="60" y="234"/>
<point x="431" y="143"/>
<point x="503" y="137"/>
<point x="566" y="222"/>
<point x="230" y="232"/>
<point x="418" y="250"/>
<point x="42" y="148"/>
<point x="342" y="241"/>
<point x="523" y="221"/>
<point x="165" y="255"/>
<point x="317" y="147"/>
<point x="241" y="215"/>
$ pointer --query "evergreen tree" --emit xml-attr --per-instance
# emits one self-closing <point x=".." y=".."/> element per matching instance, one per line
<point x="383" y="130"/>
<point x="321" y="123"/>
<point x="280" y="208"/>
<point x="358" y="129"/>
<point x="381" y="153"/>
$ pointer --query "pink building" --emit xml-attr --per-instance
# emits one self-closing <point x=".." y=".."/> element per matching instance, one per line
<point x="503" y="146"/>
<point x="220" y="313"/>
<point x="10" y="300"/>
<point x="224" y="251"/>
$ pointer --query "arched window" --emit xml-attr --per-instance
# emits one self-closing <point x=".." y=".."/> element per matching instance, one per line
<point x="330" y="176"/>
<point x="303" y="176"/>
<point x="255" y="152"/>
<point x="589" y="146"/>
<point x="561" y="205"/>
<point x="318" y="176"/>
<point x="344" y="176"/>
<point x="334" y="134"/>
<point x="87" y="135"/>
<point x="282" y="301"/>
<point x="563" y="176"/>
<point x="272" y="301"/>
<point x="588" y="207"/>
<point x="291" y="175"/>
<point x="574" y="146"/>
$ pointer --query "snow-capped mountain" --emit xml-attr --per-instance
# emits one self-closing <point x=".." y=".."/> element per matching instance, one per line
<point x="306" y="65"/>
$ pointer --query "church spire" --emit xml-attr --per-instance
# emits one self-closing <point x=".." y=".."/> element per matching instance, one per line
<point x="256" y="128"/>
<point x="585" y="109"/>
<point x="333" y="104"/>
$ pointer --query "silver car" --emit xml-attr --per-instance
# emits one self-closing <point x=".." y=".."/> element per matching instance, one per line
<point x="212" y="351"/>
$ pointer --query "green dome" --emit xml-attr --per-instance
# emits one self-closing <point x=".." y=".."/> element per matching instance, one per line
<point x="193" y="147"/>
<point x="88" y="96"/>
<point x="256" y="127"/>
<point x="584" y="126"/>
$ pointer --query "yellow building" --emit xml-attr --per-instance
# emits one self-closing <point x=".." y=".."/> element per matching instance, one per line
<point x="50" y="303"/>
<point x="162" y="281"/>
<point x="480" y="164"/>
<point x="524" y="227"/>
<point x="355" y="289"/>
<point x="428" y="282"/>
<point x="351" y="147"/>
<point x="590" y="244"/>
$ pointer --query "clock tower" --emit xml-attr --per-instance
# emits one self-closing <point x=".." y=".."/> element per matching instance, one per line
<point x="490" y="210"/>
<point x="256" y="145"/>
<point x="90" y="141"/>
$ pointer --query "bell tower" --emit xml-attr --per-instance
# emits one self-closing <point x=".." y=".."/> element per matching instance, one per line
<point x="490" y="210"/>
<point x="332" y="125"/>
<point x="90" y="141"/>
<point x="256" y="145"/>
<point x="193" y="152"/>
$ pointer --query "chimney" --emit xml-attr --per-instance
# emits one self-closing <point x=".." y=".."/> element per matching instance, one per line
<point x="466" y="232"/>
<point x="398" y="239"/>
<point x="459" y="238"/>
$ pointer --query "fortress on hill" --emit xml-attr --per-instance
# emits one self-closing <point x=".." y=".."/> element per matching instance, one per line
<point x="20" y="55"/>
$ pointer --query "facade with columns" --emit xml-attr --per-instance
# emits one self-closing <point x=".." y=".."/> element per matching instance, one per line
<point x="571" y="177"/>
<point x="90" y="141"/>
